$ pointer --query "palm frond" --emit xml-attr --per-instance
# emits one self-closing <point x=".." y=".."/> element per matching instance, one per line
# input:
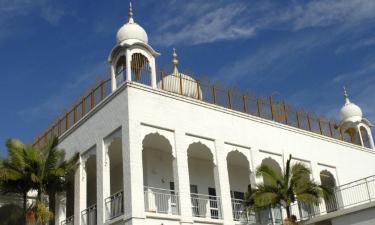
<point x="269" y="175"/>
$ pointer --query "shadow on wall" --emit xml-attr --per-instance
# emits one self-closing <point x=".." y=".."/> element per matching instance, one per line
<point x="11" y="215"/>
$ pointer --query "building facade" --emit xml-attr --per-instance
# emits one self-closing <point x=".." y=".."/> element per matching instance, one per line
<point x="163" y="150"/>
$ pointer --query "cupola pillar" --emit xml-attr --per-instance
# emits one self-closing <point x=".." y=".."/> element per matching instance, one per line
<point x="353" y="126"/>
<point x="132" y="59"/>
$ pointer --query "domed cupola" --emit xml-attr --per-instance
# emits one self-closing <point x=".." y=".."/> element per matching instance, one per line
<point x="131" y="31"/>
<point x="353" y="127"/>
<point x="132" y="59"/>
<point x="350" y="112"/>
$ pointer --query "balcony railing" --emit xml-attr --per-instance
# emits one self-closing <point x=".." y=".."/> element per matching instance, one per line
<point x="240" y="214"/>
<point x="161" y="201"/>
<point x="89" y="216"/>
<point x="114" y="205"/>
<point x="345" y="196"/>
<point x="68" y="221"/>
<point x="206" y="206"/>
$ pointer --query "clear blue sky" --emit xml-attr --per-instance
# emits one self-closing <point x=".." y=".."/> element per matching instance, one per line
<point x="51" y="51"/>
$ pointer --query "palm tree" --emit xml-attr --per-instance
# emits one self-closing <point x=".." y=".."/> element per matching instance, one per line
<point x="284" y="189"/>
<point x="15" y="171"/>
<point x="52" y="170"/>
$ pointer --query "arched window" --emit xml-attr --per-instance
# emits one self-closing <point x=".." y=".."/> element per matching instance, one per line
<point x="351" y="135"/>
<point x="328" y="181"/>
<point x="121" y="70"/>
<point x="365" y="137"/>
<point x="140" y="69"/>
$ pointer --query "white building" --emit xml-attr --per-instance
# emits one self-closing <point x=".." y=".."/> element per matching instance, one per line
<point x="168" y="149"/>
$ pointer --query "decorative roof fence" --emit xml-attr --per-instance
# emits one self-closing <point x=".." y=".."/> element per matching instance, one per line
<point x="264" y="107"/>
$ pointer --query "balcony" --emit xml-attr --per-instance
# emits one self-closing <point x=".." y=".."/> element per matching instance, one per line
<point x="161" y="201"/>
<point x="206" y="206"/>
<point x="345" y="196"/>
<point x="89" y="215"/>
<point x="68" y="221"/>
<point x="114" y="205"/>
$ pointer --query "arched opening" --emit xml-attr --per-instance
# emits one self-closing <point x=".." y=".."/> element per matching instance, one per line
<point x="328" y="181"/>
<point x="204" y="201"/>
<point x="114" y="204"/>
<point x="365" y="137"/>
<point x="239" y="181"/>
<point x="274" y="214"/>
<point x="351" y="135"/>
<point x="158" y="176"/>
<point x="89" y="214"/>
<point x="120" y="70"/>
<point x="140" y="69"/>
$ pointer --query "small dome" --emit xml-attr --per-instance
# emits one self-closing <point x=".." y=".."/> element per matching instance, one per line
<point x="131" y="31"/>
<point x="190" y="87"/>
<point x="172" y="82"/>
<point x="351" y="112"/>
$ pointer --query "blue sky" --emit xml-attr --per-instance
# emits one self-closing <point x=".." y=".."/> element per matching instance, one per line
<point x="51" y="51"/>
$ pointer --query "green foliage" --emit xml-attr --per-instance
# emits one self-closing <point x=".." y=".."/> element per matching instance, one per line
<point x="284" y="189"/>
<point x="28" y="168"/>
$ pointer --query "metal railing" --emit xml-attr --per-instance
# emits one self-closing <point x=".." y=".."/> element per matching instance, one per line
<point x="163" y="201"/>
<point x="265" y="107"/>
<point x="270" y="216"/>
<point x="114" y="205"/>
<point x="343" y="197"/>
<point x="68" y="221"/>
<point x="89" y="216"/>
<point x="206" y="206"/>
<point x="240" y="214"/>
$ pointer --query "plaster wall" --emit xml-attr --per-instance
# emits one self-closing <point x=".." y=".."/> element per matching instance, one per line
<point x="135" y="106"/>
<point x="365" y="217"/>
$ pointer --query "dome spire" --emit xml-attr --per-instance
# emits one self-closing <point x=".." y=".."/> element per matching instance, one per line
<point x="175" y="61"/>
<point x="347" y="101"/>
<point x="130" y="14"/>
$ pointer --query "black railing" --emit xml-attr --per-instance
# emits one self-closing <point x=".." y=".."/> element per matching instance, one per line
<point x="89" y="215"/>
<point x="68" y="221"/>
<point x="114" y="205"/>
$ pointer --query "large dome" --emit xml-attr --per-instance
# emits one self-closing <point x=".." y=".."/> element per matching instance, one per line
<point x="351" y="112"/>
<point x="131" y="31"/>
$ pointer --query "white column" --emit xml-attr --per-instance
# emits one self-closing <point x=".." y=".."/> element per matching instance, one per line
<point x="80" y="191"/>
<point x="153" y="73"/>
<point x="113" y="78"/>
<point x="222" y="182"/>
<point x="358" y="129"/>
<point x="133" y="171"/>
<point x="128" y="65"/>
<point x="370" y="138"/>
<point x="60" y="208"/>
<point x="181" y="178"/>
<point x="103" y="180"/>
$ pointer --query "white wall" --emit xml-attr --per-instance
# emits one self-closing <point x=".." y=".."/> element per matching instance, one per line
<point x="135" y="105"/>
<point x="157" y="168"/>
<point x="201" y="174"/>
<point x="365" y="217"/>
